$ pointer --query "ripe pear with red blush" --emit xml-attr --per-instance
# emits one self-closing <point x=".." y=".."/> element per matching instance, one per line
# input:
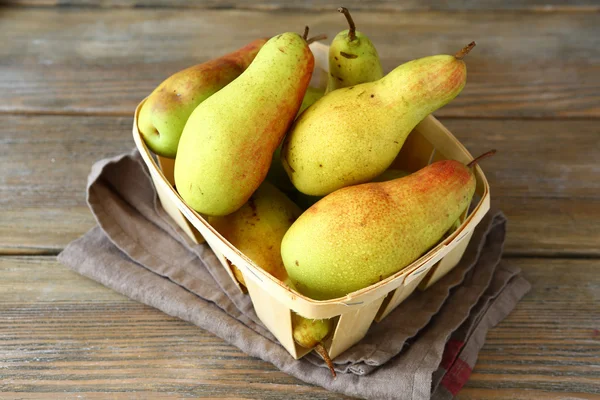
<point x="228" y="142"/>
<point x="362" y="234"/>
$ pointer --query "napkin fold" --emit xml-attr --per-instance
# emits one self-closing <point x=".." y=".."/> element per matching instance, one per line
<point x="424" y="349"/>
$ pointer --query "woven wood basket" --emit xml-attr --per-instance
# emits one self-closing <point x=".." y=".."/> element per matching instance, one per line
<point x="353" y="314"/>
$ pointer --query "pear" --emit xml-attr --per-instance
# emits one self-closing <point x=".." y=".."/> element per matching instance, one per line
<point x="392" y="173"/>
<point x="228" y="142"/>
<point x="256" y="229"/>
<point x="362" y="234"/>
<point x="353" y="134"/>
<point x="165" y="112"/>
<point x="309" y="333"/>
<point x="277" y="174"/>
<point x="352" y="58"/>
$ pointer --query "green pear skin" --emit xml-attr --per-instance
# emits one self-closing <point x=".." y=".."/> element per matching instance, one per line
<point x="362" y="234"/>
<point x="309" y="332"/>
<point x="256" y="229"/>
<point x="165" y="112"/>
<point x="353" y="134"/>
<point x="353" y="58"/>
<point x="277" y="174"/>
<point x="228" y="142"/>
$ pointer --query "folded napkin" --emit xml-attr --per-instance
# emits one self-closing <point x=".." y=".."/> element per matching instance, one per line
<point x="424" y="349"/>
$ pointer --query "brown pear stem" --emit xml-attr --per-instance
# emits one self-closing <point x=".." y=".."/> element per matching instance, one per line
<point x="352" y="30"/>
<point x="476" y="160"/>
<point x="305" y="35"/>
<point x="322" y="36"/>
<point x="464" y="51"/>
<point x="323" y="353"/>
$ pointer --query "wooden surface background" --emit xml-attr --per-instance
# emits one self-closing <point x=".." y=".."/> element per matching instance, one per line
<point x="71" y="73"/>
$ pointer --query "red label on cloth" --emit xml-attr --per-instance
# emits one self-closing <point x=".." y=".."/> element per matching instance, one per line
<point x="451" y="352"/>
<point x="457" y="376"/>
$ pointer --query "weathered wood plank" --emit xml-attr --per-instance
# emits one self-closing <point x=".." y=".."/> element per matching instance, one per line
<point x="328" y="5"/>
<point x="58" y="329"/>
<point x="553" y="331"/>
<point x="544" y="177"/>
<point x="468" y="393"/>
<point x="45" y="162"/>
<point x="106" y="60"/>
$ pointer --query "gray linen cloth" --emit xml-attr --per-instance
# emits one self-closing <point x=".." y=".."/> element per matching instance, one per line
<point x="424" y="349"/>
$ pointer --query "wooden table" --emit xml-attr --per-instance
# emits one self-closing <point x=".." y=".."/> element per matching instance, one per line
<point x="71" y="75"/>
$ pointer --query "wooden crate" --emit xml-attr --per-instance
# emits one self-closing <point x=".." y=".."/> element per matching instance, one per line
<point x="353" y="314"/>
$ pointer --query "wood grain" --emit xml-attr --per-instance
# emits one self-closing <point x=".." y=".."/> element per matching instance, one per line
<point x="552" y="332"/>
<point x="103" y="61"/>
<point x="60" y="332"/>
<point x="329" y="5"/>
<point x="71" y="74"/>
<point x="45" y="162"/>
<point x="469" y="393"/>
<point x="548" y="188"/>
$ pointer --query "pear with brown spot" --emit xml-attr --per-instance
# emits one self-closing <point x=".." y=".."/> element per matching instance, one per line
<point x="353" y="58"/>
<point x="362" y="234"/>
<point x="353" y="134"/>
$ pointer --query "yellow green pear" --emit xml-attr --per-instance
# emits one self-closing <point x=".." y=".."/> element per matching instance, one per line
<point x="309" y="333"/>
<point x="165" y="112"/>
<point x="228" y="142"/>
<point x="353" y="58"/>
<point x="362" y="234"/>
<point x="353" y="134"/>
<point x="256" y="229"/>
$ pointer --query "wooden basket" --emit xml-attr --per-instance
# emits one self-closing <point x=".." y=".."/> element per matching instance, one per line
<point x="353" y="314"/>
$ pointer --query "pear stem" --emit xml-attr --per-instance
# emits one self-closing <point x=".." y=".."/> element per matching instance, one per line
<point x="322" y="36"/>
<point x="464" y="51"/>
<point x="476" y="160"/>
<point x="352" y="30"/>
<point x="323" y="353"/>
<point x="305" y="35"/>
